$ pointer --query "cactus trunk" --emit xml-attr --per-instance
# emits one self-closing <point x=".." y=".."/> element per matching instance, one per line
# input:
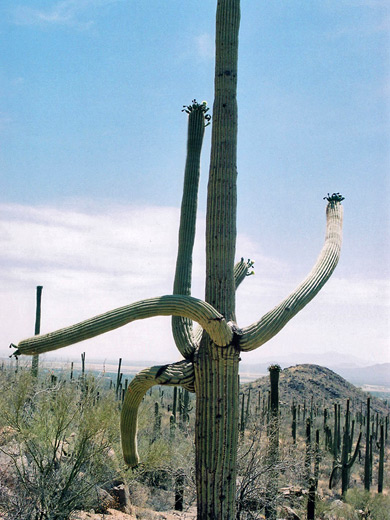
<point x="217" y="406"/>
<point x="367" y="466"/>
<point x="216" y="368"/>
<point x="35" y="359"/>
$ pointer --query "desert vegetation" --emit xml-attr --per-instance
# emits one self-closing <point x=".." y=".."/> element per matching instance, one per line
<point x="60" y="447"/>
<point x="61" y="435"/>
<point x="211" y="353"/>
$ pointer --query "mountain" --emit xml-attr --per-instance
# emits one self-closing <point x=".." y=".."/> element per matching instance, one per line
<point x="301" y="383"/>
<point x="378" y="375"/>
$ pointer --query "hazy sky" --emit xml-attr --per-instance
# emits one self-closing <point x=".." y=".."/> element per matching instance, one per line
<point x="93" y="148"/>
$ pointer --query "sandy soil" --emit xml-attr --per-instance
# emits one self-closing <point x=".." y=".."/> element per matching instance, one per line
<point x="139" y="514"/>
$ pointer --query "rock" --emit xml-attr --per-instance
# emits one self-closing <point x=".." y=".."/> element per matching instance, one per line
<point x="291" y="514"/>
<point x="105" y="501"/>
<point x="122" y="496"/>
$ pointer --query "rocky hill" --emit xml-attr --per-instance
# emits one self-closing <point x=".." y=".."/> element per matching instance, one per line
<point x="303" y="382"/>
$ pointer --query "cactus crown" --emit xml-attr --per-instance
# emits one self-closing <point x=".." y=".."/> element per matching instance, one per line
<point x="335" y="197"/>
<point x="250" y="265"/>
<point x="275" y="367"/>
<point x="201" y="107"/>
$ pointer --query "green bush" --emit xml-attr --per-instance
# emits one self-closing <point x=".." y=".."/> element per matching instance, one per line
<point x="375" y="506"/>
<point x="58" y="446"/>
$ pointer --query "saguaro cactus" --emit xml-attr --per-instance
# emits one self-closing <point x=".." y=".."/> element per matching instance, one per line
<point x="35" y="359"/>
<point x="273" y="444"/>
<point x="367" y="464"/>
<point x="211" y="355"/>
<point x="347" y="461"/>
<point x="381" y="446"/>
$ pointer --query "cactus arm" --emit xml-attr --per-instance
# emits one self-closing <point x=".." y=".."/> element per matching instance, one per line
<point x="352" y="459"/>
<point x="182" y="329"/>
<point x="177" y="305"/>
<point x="242" y="269"/>
<point x="271" y="323"/>
<point x="333" y="473"/>
<point x="348" y="465"/>
<point x="181" y="373"/>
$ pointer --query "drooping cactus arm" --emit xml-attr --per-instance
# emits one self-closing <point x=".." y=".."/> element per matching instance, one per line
<point x="182" y="327"/>
<point x="271" y="323"/>
<point x="170" y="305"/>
<point x="181" y="373"/>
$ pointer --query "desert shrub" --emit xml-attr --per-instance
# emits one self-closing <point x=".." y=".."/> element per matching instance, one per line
<point x="256" y="471"/>
<point x="58" y="448"/>
<point x="162" y="454"/>
<point x="374" y="506"/>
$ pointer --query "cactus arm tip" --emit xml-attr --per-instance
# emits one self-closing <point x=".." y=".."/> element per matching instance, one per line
<point x="16" y="353"/>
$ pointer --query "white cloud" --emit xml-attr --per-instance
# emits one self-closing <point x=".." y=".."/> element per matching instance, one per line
<point x="65" y="12"/>
<point x="94" y="258"/>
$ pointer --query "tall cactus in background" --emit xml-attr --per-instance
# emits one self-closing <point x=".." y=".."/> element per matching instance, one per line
<point x="381" y="446"/>
<point x="35" y="359"/>
<point x="273" y="444"/>
<point x="346" y="462"/>
<point x="367" y="462"/>
<point x="211" y="354"/>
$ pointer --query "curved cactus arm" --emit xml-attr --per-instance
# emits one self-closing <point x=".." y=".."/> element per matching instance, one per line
<point x="333" y="473"/>
<point x="352" y="459"/>
<point x="271" y="323"/>
<point x="181" y="373"/>
<point x="182" y="329"/>
<point x="211" y="320"/>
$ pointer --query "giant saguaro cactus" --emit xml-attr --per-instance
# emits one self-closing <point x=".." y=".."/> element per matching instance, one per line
<point x="212" y="352"/>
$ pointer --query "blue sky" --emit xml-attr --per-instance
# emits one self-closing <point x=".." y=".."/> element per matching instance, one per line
<point x="93" y="149"/>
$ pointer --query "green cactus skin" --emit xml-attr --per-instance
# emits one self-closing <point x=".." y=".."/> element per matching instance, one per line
<point x="273" y="446"/>
<point x="294" y="422"/>
<point x="212" y="353"/>
<point x="271" y="323"/>
<point x="347" y="461"/>
<point x="317" y="458"/>
<point x="169" y="305"/>
<point x="336" y="432"/>
<point x="181" y="373"/>
<point x="242" y="419"/>
<point x="381" y="446"/>
<point x="367" y="465"/>
<point x="174" y="404"/>
<point x="182" y="327"/>
<point x="309" y="450"/>
<point x="35" y="359"/>
<point x="311" y="500"/>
